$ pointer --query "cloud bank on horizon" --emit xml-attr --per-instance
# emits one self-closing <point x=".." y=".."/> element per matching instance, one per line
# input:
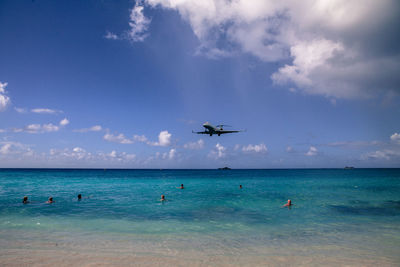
<point x="337" y="49"/>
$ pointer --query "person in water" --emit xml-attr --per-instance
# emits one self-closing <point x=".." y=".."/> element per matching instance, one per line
<point x="182" y="187"/>
<point x="240" y="186"/>
<point x="288" y="204"/>
<point x="163" y="198"/>
<point x="25" y="200"/>
<point x="50" y="200"/>
<point x="79" y="197"/>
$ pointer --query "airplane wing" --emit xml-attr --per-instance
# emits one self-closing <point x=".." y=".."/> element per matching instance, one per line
<point x="225" y="132"/>
<point x="201" y="132"/>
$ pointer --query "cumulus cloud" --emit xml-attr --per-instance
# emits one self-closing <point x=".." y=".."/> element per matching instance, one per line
<point x="14" y="148"/>
<point x="312" y="151"/>
<point x="170" y="155"/>
<point x="194" y="145"/>
<point x="218" y="152"/>
<point x="164" y="139"/>
<point x="395" y="138"/>
<point x="338" y="49"/>
<point x="261" y="148"/>
<point x="4" y="99"/>
<point x="95" y="128"/>
<point x="120" y="138"/>
<point x="64" y="122"/>
<point x="41" y="128"/>
<point x="38" y="128"/>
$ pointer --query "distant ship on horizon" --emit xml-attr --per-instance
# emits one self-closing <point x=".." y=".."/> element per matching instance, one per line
<point x="225" y="168"/>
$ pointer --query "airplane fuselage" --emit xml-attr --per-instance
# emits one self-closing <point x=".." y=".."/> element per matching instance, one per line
<point x="212" y="129"/>
<point x="218" y="130"/>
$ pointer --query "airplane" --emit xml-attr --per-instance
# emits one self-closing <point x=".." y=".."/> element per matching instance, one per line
<point x="210" y="129"/>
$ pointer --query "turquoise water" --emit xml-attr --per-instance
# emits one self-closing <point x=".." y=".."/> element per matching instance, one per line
<point x="352" y="213"/>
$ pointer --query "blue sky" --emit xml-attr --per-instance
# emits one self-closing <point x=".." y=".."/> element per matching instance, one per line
<point x="121" y="84"/>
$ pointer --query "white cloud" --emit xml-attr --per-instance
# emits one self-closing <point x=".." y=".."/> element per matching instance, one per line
<point x="38" y="128"/>
<point x="120" y="138"/>
<point x="5" y="149"/>
<point x="33" y="128"/>
<point x="4" y="99"/>
<point x="45" y="111"/>
<point x="289" y="149"/>
<point x="78" y="149"/>
<point x="261" y="148"/>
<point x="338" y="49"/>
<point x="41" y="128"/>
<point x="50" y="128"/>
<point x="64" y="122"/>
<point x="140" y="138"/>
<point x="164" y="139"/>
<point x="66" y="154"/>
<point x="113" y="154"/>
<point x="95" y="128"/>
<point x="312" y="151"/>
<point x="386" y="154"/>
<point x="219" y="152"/>
<point x="20" y="110"/>
<point x="170" y="155"/>
<point x="194" y="145"/>
<point x="138" y="23"/>
<point x="79" y="154"/>
<point x="111" y="36"/>
<point x="395" y="138"/>
<point x="14" y="148"/>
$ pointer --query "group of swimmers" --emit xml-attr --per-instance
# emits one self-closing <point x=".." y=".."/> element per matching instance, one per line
<point x="50" y="200"/>
<point x="288" y="204"/>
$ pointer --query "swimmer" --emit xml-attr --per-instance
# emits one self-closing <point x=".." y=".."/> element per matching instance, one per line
<point x="288" y="204"/>
<point x="163" y="198"/>
<point x="79" y="197"/>
<point x="181" y="187"/>
<point x="25" y="200"/>
<point x="240" y="186"/>
<point x="50" y="200"/>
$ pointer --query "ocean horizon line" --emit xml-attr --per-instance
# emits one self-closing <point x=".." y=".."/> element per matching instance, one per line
<point x="199" y="169"/>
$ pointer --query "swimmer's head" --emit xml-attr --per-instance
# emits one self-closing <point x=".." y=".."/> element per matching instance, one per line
<point x="25" y="199"/>
<point x="50" y="199"/>
<point x="79" y="196"/>
<point x="162" y="197"/>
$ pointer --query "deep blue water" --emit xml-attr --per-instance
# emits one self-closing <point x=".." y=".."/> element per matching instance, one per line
<point x="357" y="208"/>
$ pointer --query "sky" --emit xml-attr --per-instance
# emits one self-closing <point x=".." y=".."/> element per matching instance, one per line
<point x="122" y="84"/>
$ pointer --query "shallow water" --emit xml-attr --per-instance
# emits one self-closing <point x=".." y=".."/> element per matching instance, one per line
<point x="340" y="217"/>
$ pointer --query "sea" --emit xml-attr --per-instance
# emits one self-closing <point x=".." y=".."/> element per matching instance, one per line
<point x="339" y="217"/>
